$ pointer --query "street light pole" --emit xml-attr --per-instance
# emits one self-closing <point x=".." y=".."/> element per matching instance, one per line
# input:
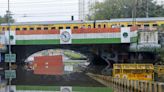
<point x="9" y="44"/>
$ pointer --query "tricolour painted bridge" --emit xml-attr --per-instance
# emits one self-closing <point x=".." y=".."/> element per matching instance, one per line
<point x="80" y="36"/>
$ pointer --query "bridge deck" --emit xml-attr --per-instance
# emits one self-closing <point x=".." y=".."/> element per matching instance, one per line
<point x="79" y="36"/>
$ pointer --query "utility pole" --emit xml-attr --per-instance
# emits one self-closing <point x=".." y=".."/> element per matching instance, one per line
<point x="8" y="21"/>
<point x="134" y="10"/>
<point x="147" y="9"/>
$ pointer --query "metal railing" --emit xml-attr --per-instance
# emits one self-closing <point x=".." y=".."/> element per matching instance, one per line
<point x="132" y="85"/>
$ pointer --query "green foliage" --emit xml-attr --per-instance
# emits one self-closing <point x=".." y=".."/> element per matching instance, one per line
<point x="4" y="19"/>
<point x="57" y="88"/>
<point x="125" y="9"/>
<point x="73" y="55"/>
<point x="38" y="88"/>
<point x="161" y="28"/>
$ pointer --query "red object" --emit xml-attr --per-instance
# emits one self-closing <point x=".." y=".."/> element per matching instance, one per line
<point x="48" y="65"/>
<point x="96" y="30"/>
<point x="37" y="32"/>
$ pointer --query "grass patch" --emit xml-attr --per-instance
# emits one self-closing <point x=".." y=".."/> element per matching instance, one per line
<point x="92" y="89"/>
<point x="57" y="88"/>
<point x="73" y="55"/>
<point x="39" y="88"/>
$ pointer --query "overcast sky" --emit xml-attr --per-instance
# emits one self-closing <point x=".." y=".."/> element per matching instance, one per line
<point x="41" y="10"/>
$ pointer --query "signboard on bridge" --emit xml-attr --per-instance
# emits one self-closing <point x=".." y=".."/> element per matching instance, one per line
<point x="68" y="68"/>
<point x="2" y="42"/>
<point x="10" y="74"/>
<point x="65" y="36"/>
<point x="12" y="37"/>
<point x="10" y="58"/>
<point x="125" y="35"/>
<point x="2" y="38"/>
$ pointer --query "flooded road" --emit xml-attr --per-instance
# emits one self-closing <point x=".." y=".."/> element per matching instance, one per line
<point x="72" y="79"/>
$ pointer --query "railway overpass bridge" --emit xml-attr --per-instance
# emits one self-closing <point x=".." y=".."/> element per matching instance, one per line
<point x="108" y="45"/>
<point x="99" y="41"/>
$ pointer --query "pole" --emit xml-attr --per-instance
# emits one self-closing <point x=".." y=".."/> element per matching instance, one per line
<point x="134" y="12"/>
<point x="147" y="9"/>
<point x="8" y="21"/>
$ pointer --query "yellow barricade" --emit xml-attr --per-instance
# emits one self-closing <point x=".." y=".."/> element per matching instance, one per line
<point x="134" y="71"/>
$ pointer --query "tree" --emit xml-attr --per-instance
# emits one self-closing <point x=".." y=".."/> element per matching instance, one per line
<point x="4" y="19"/>
<point x="125" y="9"/>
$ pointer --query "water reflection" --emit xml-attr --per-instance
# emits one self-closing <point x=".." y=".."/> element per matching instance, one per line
<point x="59" y="68"/>
<point x="55" y="62"/>
<point x="55" y="68"/>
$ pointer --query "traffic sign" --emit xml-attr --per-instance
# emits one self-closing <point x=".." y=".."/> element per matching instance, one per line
<point x="10" y="57"/>
<point x="10" y="74"/>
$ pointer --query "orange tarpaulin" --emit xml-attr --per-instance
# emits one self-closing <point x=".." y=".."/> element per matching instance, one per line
<point x="48" y="65"/>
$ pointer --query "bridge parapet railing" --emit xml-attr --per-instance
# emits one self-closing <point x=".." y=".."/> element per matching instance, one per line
<point x="132" y="85"/>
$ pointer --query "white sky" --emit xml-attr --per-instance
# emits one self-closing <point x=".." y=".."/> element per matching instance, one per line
<point x="160" y="1"/>
<point x="41" y="10"/>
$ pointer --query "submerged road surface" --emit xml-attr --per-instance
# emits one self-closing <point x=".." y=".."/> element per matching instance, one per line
<point x="72" y="79"/>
